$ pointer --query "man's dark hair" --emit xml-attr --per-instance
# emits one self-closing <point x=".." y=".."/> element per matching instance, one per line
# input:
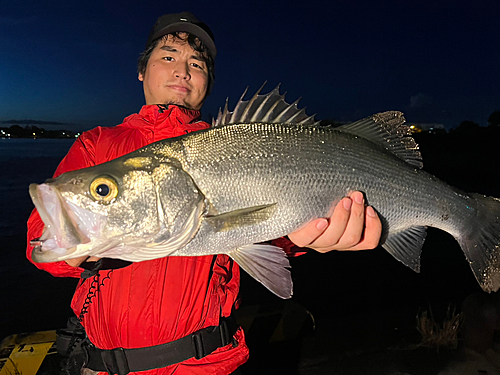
<point x="195" y="44"/>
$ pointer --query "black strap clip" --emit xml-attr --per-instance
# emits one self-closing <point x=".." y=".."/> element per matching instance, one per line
<point x="207" y="340"/>
<point x="199" y="350"/>
<point x="90" y="269"/>
<point x="115" y="361"/>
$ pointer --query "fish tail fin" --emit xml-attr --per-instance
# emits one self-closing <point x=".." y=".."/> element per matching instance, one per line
<point x="481" y="242"/>
<point x="268" y="265"/>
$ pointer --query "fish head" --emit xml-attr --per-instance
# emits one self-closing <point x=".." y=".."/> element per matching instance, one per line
<point x="114" y="209"/>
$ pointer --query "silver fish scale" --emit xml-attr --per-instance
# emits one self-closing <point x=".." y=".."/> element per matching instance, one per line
<point x="305" y="170"/>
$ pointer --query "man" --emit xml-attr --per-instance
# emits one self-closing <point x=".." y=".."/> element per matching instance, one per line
<point x="172" y="311"/>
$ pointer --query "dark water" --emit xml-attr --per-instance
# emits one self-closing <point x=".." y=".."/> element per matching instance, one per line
<point x="328" y="285"/>
<point x="25" y="161"/>
<point x="30" y="299"/>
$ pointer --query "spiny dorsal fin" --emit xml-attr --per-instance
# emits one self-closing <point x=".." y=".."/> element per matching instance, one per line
<point x="270" y="108"/>
<point x="388" y="129"/>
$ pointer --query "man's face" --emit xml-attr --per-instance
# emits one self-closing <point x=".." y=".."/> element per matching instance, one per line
<point x="175" y="74"/>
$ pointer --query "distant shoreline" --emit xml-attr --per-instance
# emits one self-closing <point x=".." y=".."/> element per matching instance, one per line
<point x="35" y="132"/>
<point x="65" y="137"/>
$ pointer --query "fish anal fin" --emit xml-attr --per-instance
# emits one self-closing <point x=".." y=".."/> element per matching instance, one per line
<point x="268" y="265"/>
<point x="406" y="246"/>
<point x="242" y="217"/>
<point x="388" y="130"/>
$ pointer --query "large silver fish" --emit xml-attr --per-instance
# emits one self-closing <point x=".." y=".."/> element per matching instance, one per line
<point x="261" y="172"/>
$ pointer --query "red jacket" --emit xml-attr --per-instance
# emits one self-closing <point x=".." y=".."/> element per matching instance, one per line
<point x="157" y="301"/>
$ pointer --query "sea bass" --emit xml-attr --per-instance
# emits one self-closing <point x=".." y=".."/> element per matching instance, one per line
<point x="261" y="172"/>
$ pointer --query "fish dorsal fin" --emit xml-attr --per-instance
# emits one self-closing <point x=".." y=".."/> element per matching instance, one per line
<point x="388" y="129"/>
<point x="270" y="108"/>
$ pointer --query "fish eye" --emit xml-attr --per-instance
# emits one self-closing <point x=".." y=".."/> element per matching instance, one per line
<point x="104" y="189"/>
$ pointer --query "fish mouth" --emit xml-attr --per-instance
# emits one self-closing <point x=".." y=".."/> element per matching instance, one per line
<point x="64" y="230"/>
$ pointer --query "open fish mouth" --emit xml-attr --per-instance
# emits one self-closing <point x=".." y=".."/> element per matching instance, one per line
<point x="64" y="228"/>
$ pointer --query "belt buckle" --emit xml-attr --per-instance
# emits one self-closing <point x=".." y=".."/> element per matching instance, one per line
<point x="199" y="350"/>
<point x="115" y="361"/>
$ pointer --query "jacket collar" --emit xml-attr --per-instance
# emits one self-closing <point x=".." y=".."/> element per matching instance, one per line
<point x="155" y="114"/>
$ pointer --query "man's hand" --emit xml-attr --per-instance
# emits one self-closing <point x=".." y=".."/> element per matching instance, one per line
<point x="75" y="262"/>
<point x="352" y="226"/>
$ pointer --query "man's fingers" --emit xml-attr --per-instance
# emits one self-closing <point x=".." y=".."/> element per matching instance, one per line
<point x="337" y="225"/>
<point x="352" y="226"/>
<point x="372" y="231"/>
<point x="354" y="230"/>
<point x="75" y="262"/>
<point x="308" y="234"/>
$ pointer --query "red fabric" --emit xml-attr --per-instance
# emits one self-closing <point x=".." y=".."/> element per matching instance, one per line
<point x="157" y="301"/>
<point x="289" y="247"/>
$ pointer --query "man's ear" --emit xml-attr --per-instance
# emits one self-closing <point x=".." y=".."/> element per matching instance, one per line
<point x="141" y="77"/>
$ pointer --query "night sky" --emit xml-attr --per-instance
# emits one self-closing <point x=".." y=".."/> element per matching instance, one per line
<point x="437" y="61"/>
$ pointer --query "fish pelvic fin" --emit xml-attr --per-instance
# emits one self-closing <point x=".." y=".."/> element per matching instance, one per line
<point x="480" y="241"/>
<point x="406" y="246"/>
<point x="268" y="108"/>
<point x="238" y="218"/>
<point x="268" y="265"/>
<point x="388" y="130"/>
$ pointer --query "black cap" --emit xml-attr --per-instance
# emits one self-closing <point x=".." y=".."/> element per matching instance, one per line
<point x="185" y="21"/>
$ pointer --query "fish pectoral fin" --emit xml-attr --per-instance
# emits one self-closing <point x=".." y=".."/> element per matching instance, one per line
<point x="242" y="217"/>
<point x="406" y="246"/>
<point x="268" y="265"/>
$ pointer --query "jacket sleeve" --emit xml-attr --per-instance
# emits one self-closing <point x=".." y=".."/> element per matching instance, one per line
<point x="289" y="247"/>
<point x="80" y="155"/>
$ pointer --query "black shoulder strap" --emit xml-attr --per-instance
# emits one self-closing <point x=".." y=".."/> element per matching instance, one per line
<point x="91" y="268"/>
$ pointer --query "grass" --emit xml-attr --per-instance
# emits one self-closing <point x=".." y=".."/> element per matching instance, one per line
<point x="439" y="335"/>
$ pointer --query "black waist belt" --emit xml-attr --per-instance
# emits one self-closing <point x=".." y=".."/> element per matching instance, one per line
<point x="198" y="344"/>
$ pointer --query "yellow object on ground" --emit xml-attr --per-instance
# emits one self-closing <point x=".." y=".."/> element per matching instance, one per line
<point x="24" y="353"/>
